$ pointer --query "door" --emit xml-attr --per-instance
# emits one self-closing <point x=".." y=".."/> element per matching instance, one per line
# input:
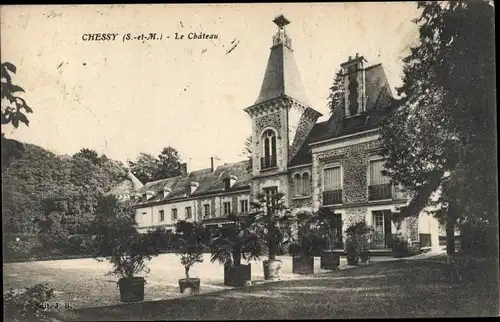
<point x="379" y="227"/>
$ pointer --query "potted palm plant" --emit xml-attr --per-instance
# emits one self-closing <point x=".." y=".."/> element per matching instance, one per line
<point x="271" y="221"/>
<point x="189" y="245"/>
<point x="116" y="240"/>
<point x="230" y="244"/>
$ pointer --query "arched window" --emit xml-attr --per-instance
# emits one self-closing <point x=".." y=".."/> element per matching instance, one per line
<point x="305" y="184"/>
<point x="269" y="149"/>
<point x="301" y="184"/>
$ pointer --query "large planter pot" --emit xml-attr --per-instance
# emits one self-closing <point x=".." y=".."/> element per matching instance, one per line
<point x="189" y="285"/>
<point x="303" y="265"/>
<point x="329" y="260"/>
<point x="237" y="275"/>
<point x="272" y="269"/>
<point x="364" y="257"/>
<point x="352" y="260"/>
<point x="131" y="289"/>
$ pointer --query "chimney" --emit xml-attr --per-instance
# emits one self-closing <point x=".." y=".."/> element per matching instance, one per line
<point x="354" y="84"/>
<point x="194" y="186"/>
<point x="184" y="169"/>
<point x="213" y="163"/>
<point x="166" y="191"/>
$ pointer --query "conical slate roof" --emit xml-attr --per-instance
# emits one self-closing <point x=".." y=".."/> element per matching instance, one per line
<point x="282" y="76"/>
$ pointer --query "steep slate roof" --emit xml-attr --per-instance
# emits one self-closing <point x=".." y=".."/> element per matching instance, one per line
<point x="304" y="155"/>
<point x="282" y="77"/>
<point x="128" y="186"/>
<point x="379" y="101"/>
<point x="208" y="183"/>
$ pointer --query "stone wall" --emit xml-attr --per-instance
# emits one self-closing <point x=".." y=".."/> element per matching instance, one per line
<point x="354" y="162"/>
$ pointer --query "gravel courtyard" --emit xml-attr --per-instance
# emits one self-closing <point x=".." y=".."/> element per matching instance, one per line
<point x="83" y="283"/>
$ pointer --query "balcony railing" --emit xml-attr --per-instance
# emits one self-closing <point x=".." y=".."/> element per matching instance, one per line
<point x="380" y="192"/>
<point x="268" y="162"/>
<point x="332" y="197"/>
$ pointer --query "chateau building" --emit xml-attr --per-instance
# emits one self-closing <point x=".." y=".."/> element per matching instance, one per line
<point x="335" y="164"/>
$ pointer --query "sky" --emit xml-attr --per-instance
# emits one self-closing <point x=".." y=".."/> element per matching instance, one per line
<point x="122" y="98"/>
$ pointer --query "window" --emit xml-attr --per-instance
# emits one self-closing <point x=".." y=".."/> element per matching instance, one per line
<point x="270" y="191"/>
<point x="243" y="206"/>
<point x="379" y="186"/>
<point x="162" y="215"/>
<point x="332" y="190"/>
<point x="301" y="184"/>
<point x="269" y="150"/>
<point x="188" y="212"/>
<point x="174" y="214"/>
<point x="227" y="183"/>
<point x="206" y="210"/>
<point x="227" y="208"/>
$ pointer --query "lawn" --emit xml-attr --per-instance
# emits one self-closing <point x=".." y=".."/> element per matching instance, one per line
<point x="401" y="289"/>
<point x="83" y="283"/>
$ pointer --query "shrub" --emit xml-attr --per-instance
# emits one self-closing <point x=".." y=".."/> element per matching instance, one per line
<point x="358" y="240"/>
<point x="27" y="305"/>
<point x="20" y="245"/>
<point x="401" y="248"/>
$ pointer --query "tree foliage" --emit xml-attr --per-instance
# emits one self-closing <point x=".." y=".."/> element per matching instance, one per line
<point x="336" y="92"/>
<point x="116" y="239"/>
<point x="36" y="175"/>
<point x="271" y="221"/>
<point x="234" y="242"/>
<point x="442" y="138"/>
<point x="150" y="168"/>
<point x="14" y="107"/>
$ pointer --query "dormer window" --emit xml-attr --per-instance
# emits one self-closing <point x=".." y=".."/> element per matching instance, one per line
<point x="229" y="182"/>
<point x="166" y="192"/>
<point x="269" y="149"/>
<point x="193" y="186"/>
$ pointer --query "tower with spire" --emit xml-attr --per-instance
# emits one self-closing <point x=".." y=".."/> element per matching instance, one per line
<point x="282" y="117"/>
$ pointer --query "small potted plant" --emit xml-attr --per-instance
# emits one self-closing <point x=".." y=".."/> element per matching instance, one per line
<point x="116" y="240"/>
<point x="230" y="244"/>
<point x="190" y="236"/>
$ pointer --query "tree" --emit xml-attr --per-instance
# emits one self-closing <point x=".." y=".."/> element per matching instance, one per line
<point x="442" y="137"/>
<point x="247" y="151"/>
<point x="169" y="164"/>
<point x="13" y="106"/>
<point x="88" y="154"/>
<point x="336" y="93"/>
<point x="149" y="168"/>
<point x="145" y="167"/>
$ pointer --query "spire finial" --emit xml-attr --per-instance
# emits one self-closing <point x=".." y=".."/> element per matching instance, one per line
<point x="281" y="37"/>
<point x="281" y="21"/>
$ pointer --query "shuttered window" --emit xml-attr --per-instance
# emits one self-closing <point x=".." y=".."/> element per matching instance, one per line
<point x="376" y="176"/>
<point x="332" y="179"/>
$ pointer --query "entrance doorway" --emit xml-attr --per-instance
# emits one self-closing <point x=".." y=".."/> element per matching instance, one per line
<point x="383" y="229"/>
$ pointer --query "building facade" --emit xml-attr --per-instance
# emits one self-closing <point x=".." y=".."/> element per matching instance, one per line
<point x="334" y="165"/>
